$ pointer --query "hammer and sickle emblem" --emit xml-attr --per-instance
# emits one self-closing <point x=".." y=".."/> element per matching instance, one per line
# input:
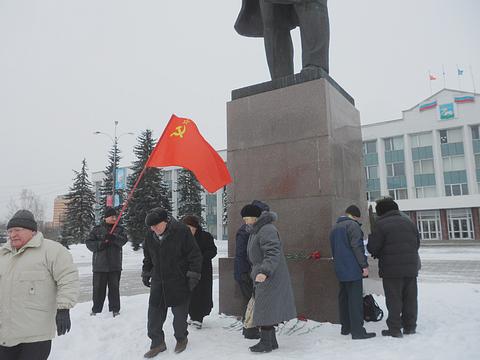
<point x="179" y="131"/>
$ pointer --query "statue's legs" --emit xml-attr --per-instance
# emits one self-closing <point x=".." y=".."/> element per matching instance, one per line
<point x="277" y="38"/>
<point x="315" y="33"/>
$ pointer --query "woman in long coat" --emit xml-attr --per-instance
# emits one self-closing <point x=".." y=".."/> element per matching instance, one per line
<point x="201" y="302"/>
<point x="274" y="301"/>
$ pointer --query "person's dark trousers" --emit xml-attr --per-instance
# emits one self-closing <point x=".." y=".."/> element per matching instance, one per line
<point x="401" y="300"/>
<point x="27" y="351"/>
<point x="100" y="282"/>
<point x="350" y="303"/>
<point x="156" y="319"/>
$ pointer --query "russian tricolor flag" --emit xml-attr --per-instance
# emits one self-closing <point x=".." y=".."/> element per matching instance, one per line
<point x="464" y="99"/>
<point x="428" y="106"/>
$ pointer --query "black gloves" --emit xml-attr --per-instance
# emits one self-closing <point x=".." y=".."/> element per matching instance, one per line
<point x="146" y="280"/>
<point x="63" y="321"/>
<point x="192" y="282"/>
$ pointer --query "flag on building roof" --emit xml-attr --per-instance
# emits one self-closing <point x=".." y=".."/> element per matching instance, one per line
<point x="459" y="72"/>
<point x="464" y="99"/>
<point x="181" y="144"/>
<point x="428" y="106"/>
<point x="432" y="77"/>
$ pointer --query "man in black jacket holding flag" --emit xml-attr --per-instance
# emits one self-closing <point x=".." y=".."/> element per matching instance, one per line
<point x="172" y="266"/>
<point x="107" y="262"/>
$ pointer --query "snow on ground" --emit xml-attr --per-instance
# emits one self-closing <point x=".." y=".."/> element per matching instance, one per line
<point x="448" y="327"/>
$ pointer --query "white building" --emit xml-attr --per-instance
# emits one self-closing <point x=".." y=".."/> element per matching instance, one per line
<point x="213" y="203"/>
<point x="429" y="160"/>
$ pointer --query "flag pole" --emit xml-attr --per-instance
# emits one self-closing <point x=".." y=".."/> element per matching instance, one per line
<point x="459" y="80"/>
<point x="430" y="81"/>
<point x="473" y="79"/>
<point x="128" y="199"/>
<point x="444" y="77"/>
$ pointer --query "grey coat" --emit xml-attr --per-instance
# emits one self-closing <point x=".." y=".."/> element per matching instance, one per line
<point x="274" y="301"/>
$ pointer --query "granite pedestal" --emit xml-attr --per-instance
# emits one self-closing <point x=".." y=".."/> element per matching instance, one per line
<point x="299" y="149"/>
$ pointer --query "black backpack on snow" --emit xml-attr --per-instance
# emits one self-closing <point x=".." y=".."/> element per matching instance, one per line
<point x="371" y="310"/>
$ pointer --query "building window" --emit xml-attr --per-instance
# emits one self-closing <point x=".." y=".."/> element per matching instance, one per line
<point x="426" y="191"/>
<point x="370" y="147"/>
<point x="396" y="169"/>
<point x="456" y="189"/>
<point x="423" y="167"/>
<point x="460" y="224"/>
<point x="475" y="133"/>
<point x="421" y="140"/>
<point x="428" y="223"/>
<point x="451" y="136"/>
<point x="398" y="194"/>
<point x="394" y="143"/>
<point x="453" y="163"/>
<point x="371" y="172"/>
<point x="373" y="195"/>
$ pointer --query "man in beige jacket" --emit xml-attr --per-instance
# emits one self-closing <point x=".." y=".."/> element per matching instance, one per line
<point x="38" y="286"/>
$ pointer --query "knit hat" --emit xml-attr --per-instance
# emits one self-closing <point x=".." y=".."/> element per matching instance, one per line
<point x="385" y="205"/>
<point x="110" y="211"/>
<point x="263" y="206"/>
<point x="251" y="211"/>
<point x="191" y="220"/>
<point x="156" y="216"/>
<point x="23" y="219"/>
<point x="353" y="210"/>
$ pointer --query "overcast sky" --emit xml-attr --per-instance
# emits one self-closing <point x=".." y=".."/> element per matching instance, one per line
<point x="68" y="68"/>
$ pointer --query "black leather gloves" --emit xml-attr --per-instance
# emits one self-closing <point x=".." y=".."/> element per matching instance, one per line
<point x="146" y="280"/>
<point x="63" y="321"/>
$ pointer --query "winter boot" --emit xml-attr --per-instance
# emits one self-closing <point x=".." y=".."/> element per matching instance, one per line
<point x="197" y="324"/>
<point x="265" y="344"/>
<point x="181" y="345"/>
<point x="392" y="333"/>
<point x="274" y="340"/>
<point x="409" y="331"/>
<point x="251" y="333"/>
<point x="154" y="351"/>
<point x="116" y="313"/>
<point x="364" y="335"/>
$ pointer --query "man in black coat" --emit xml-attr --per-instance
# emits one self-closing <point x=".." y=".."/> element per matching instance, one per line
<point x="172" y="267"/>
<point x="273" y="20"/>
<point x="395" y="241"/>
<point x="106" y="262"/>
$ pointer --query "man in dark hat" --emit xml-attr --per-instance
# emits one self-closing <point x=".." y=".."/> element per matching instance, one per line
<point x="395" y="241"/>
<point x="107" y="262"/>
<point x="273" y="20"/>
<point x="172" y="267"/>
<point x="36" y="292"/>
<point x="348" y="251"/>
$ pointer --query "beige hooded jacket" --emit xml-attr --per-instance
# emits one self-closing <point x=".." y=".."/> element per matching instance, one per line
<point x="35" y="281"/>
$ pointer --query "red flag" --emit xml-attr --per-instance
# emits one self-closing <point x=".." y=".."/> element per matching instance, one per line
<point x="181" y="144"/>
<point x="432" y="77"/>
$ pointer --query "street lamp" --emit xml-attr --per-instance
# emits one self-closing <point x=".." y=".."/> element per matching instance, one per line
<point x="114" y="139"/>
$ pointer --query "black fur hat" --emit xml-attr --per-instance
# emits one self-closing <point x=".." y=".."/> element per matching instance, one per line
<point x="156" y="216"/>
<point x="251" y="211"/>
<point x="110" y="211"/>
<point x="385" y="205"/>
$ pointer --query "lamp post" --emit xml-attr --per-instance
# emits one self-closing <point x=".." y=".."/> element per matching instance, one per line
<point x="114" y="139"/>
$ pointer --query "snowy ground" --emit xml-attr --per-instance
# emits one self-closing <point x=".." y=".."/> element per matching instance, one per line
<point x="448" y="325"/>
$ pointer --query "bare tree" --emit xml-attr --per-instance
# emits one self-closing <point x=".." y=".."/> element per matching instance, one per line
<point x="28" y="200"/>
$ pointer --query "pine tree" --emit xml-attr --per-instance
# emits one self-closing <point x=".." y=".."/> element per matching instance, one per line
<point x="107" y="186"/>
<point x="189" y="195"/>
<point x="79" y="215"/>
<point x="151" y="191"/>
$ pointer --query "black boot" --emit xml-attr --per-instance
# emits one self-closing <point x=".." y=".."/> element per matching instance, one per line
<point x="265" y="344"/>
<point x="274" y="340"/>
<point x="251" y="333"/>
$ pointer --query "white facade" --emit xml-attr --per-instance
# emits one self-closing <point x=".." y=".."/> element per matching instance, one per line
<point x="429" y="160"/>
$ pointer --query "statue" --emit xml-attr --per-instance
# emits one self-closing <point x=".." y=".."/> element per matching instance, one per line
<point x="273" y="20"/>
